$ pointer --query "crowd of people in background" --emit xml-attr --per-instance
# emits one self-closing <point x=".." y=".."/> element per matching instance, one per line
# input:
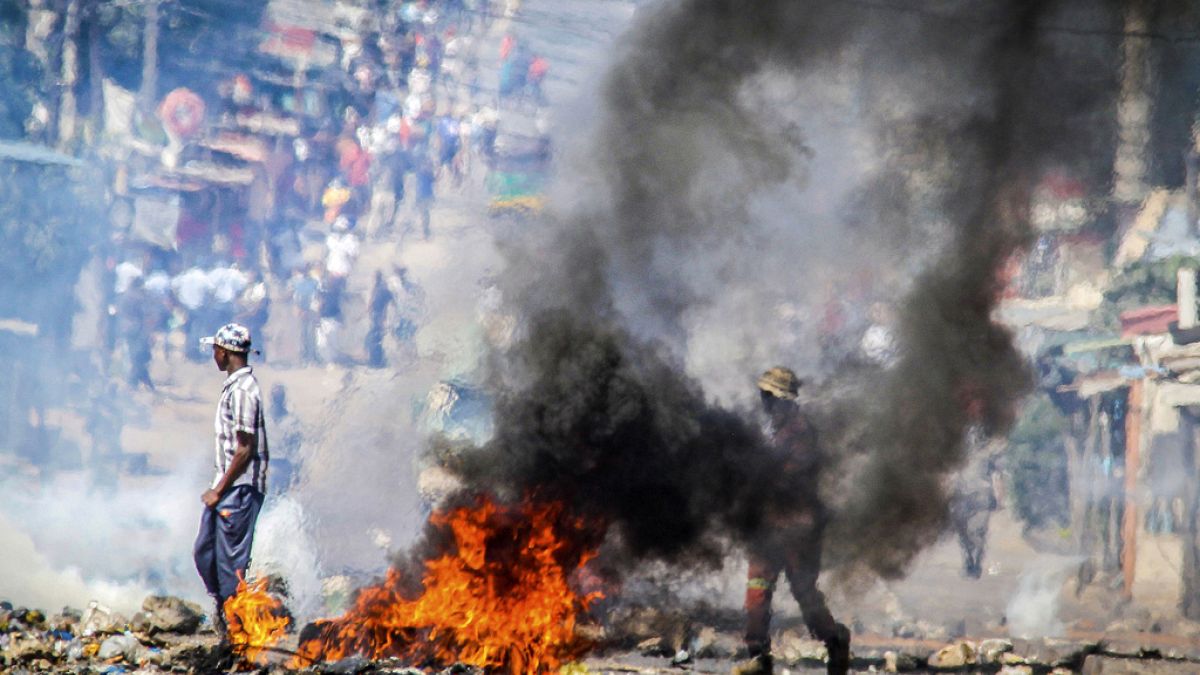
<point x="407" y="121"/>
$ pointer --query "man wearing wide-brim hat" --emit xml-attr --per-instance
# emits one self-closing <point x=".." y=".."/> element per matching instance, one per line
<point x="232" y="502"/>
<point x="790" y="536"/>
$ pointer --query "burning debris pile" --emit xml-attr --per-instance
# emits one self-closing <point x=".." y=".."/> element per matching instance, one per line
<point x="500" y="596"/>
<point x="256" y="620"/>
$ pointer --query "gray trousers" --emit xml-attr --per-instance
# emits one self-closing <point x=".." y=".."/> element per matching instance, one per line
<point x="222" y="547"/>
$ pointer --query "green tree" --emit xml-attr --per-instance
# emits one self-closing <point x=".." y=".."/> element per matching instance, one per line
<point x="21" y="76"/>
<point x="1037" y="463"/>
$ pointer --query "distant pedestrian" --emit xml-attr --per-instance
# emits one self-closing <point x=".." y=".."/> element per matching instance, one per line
<point x="283" y="248"/>
<point x="125" y="273"/>
<point x="135" y="327"/>
<point x="486" y="126"/>
<point x="329" y="322"/>
<point x="538" y="67"/>
<point x="353" y="163"/>
<point x="335" y="199"/>
<point x="192" y="289"/>
<point x="381" y="299"/>
<point x="305" y="287"/>
<point x="227" y="283"/>
<point x="231" y="505"/>
<point x="397" y="159"/>
<point x="973" y="498"/>
<point x="254" y="304"/>
<point x="448" y="147"/>
<point x="425" y="178"/>
<point x="451" y="69"/>
<point x="512" y="78"/>
<point x="341" y="249"/>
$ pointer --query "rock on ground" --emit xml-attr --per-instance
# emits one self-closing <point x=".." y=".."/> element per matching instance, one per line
<point x="172" y="615"/>
<point x="954" y="656"/>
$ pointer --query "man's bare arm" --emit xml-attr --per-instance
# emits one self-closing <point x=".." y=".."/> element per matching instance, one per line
<point x="237" y="467"/>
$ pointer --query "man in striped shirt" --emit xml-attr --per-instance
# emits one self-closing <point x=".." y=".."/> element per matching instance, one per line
<point x="232" y="503"/>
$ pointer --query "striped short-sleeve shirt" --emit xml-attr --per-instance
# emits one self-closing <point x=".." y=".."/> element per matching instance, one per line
<point x="240" y="409"/>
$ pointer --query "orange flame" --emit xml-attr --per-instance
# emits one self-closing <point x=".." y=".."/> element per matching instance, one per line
<point x="501" y="601"/>
<point x="256" y="620"/>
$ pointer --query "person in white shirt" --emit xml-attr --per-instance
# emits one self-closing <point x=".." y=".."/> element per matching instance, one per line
<point x="192" y="289"/>
<point x="342" y="249"/>
<point x="126" y="272"/>
<point x="227" y="282"/>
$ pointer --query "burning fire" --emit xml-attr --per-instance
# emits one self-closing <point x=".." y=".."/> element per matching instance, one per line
<point x="501" y="599"/>
<point x="256" y="619"/>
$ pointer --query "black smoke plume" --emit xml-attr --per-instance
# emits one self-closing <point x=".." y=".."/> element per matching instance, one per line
<point x="966" y="104"/>
<point x="608" y="425"/>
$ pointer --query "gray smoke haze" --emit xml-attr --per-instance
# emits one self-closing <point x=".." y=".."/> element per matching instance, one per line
<point x="1033" y="610"/>
<point x="716" y="198"/>
<point x="745" y="162"/>
<point x="951" y="350"/>
<point x="58" y="544"/>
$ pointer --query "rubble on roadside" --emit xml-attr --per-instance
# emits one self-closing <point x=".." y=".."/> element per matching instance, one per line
<point x="1102" y="654"/>
<point x="173" y="635"/>
<point x="100" y="640"/>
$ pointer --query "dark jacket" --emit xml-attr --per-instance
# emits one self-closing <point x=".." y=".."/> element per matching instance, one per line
<point x="794" y="486"/>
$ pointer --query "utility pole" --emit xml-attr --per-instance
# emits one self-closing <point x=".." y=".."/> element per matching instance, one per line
<point x="1189" y="600"/>
<point x="148" y="94"/>
<point x="68" y="109"/>
<point x="95" y="75"/>
<point x="1191" y="161"/>
<point x="1134" y="107"/>
<point x="42" y="22"/>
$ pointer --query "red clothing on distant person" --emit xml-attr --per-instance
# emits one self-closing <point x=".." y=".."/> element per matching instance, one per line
<point x="237" y="240"/>
<point x="833" y="318"/>
<point x="538" y="68"/>
<point x="353" y="162"/>
<point x="192" y="232"/>
<point x="405" y="134"/>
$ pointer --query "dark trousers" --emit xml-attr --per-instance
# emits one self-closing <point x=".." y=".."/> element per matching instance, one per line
<point x="222" y="549"/>
<point x="308" y="335"/>
<point x="139" y="360"/>
<point x="797" y="553"/>
<point x="374" y="346"/>
<point x="969" y="514"/>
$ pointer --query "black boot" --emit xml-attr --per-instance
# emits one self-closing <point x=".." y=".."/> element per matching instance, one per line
<point x="838" y="647"/>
